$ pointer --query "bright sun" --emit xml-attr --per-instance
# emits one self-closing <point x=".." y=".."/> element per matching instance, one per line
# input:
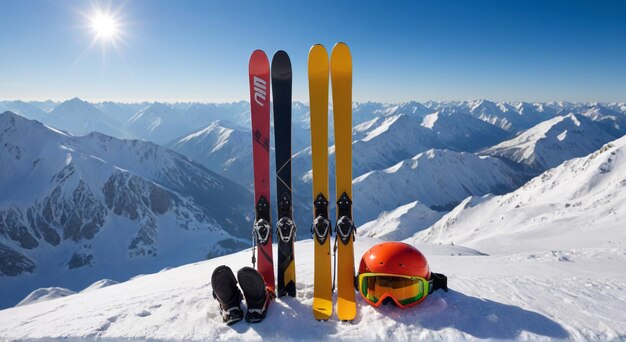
<point x="107" y="28"/>
<point x="104" y="26"/>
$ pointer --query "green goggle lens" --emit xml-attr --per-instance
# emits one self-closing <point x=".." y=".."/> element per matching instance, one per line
<point x="404" y="289"/>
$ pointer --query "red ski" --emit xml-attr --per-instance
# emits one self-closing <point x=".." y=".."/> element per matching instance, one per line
<point x="259" y="70"/>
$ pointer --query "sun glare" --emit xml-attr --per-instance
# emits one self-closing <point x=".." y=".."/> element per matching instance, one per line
<point x="104" y="26"/>
<point x="108" y="29"/>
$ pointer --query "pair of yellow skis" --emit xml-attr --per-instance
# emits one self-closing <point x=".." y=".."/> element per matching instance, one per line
<point x="341" y="76"/>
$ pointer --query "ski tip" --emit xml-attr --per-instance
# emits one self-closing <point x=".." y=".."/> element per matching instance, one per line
<point x="317" y="46"/>
<point x="318" y="60"/>
<point x="317" y="49"/>
<point x="281" y="54"/>
<point x="281" y="65"/>
<point x="340" y="50"/>
<point x="341" y="59"/>
<point x="258" y="53"/>
<point x="258" y="62"/>
<point x="341" y="46"/>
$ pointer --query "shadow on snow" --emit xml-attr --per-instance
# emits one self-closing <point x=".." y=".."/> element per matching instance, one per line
<point x="481" y="318"/>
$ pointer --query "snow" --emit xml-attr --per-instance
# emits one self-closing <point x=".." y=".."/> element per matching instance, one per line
<point x="579" y="204"/>
<point x="553" y="141"/>
<point x="80" y="117"/>
<point x="99" y="284"/>
<point x="430" y="120"/>
<point x="222" y="147"/>
<point x="45" y="294"/>
<point x="518" y="296"/>
<point x="46" y="177"/>
<point x="543" y="262"/>
<point x="436" y="178"/>
<point x="400" y="223"/>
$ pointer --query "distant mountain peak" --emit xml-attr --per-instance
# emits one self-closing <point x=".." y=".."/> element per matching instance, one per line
<point x="10" y="119"/>
<point x="553" y="141"/>
<point x="75" y="99"/>
<point x="76" y="104"/>
<point x="9" y="114"/>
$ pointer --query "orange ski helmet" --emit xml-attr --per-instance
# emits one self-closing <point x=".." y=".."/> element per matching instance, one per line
<point x="395" y="258"/>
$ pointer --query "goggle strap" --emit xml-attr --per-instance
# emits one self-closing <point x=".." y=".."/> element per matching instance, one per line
<point x="437" y="281"/>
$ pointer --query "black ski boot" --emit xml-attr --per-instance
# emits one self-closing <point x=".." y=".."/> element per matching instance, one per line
<point x="227" y="294"/>
<point x="255" y="293"/>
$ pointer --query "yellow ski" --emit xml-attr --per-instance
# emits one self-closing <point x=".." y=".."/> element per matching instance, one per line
<point x="341" y="77"/>
<point x="318" y="96"/>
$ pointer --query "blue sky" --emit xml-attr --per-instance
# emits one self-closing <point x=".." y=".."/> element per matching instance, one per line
<point x="413" y="50"/>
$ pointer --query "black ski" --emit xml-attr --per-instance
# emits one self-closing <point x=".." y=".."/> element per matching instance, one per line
<point x="285" y="228"/>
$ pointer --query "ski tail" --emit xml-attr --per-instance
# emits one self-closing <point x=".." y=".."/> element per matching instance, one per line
<point x="346" y="298"/>
<point x="322" y="291"/>
<point x="318" y="68"/>
<point x="341" y="78"/>
<point x="286" y="259"/>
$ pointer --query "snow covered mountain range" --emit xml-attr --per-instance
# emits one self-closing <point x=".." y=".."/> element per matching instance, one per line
<point x="583" y="199"/>
<point x="384" y="134"/>
<point x="97" y="204"/>
<point x="221" y="145"/>
<point x="438" y="179"/>
<point x="553" y="141"/>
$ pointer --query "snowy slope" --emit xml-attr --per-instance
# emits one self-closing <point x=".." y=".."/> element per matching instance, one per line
<point x="44" y="295"/>
<point x="121" y="112"/>
<point x="618" y="107"/>
<point x="377" y="144"/>
<point x="75" y="209"/>
<point x="100" y="284"/>
<point x="164" y="122"/>
<point x="491" y="297"/>
<point x="47" y="106"/>
<point x="24" y="109"/>
<point x="400" y="223"/>
<point x="510" y="117"/>
<point x="388" y="140"/>
<point x="365" y="111"/>
<point x="553" y="141"/>
<point x="437" y="178"/>
<point x="458" y="131"/>
<point x="222" y="147"/>
<point x="497" y="114"/>
<point x="384" y="141"/>
<point x="160" y="123"/>
<point x="578" y="204"/>
<point x="80" y="117"/>
<point x="615" y="117"/>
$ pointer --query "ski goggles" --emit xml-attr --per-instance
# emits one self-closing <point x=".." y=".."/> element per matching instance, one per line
<point x="405" y="291"/>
